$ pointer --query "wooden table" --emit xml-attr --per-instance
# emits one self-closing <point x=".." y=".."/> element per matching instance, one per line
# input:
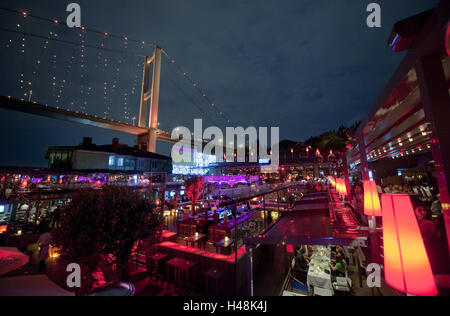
<point x="181" y="266"/>
<point x="224" y="244"/>
<point x="197" y="238"/>
<point x="169" y="236"/>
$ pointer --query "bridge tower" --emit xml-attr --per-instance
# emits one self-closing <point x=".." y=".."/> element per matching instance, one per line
<point x="148" y="112"/>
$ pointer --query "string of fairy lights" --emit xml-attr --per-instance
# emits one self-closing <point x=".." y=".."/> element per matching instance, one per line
<point x="65" y="78"/>
<point x="126" y="113"/>
<point x="198" y="88"/>
<point x="134" y="87"/>
<point x="83" y="101"/>
<point x="108" y="88"/>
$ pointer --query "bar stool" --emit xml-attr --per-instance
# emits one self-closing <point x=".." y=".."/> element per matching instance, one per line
<point x="216" y="276"/>
<point x="156" y="278"/>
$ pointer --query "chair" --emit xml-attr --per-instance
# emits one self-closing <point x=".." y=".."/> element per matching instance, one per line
<point x="299" y="275"/>
<point x="342" y="285"/>
<point x="155" y="278"/>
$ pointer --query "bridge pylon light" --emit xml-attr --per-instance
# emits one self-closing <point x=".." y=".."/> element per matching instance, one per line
<point x="149" y="103"/>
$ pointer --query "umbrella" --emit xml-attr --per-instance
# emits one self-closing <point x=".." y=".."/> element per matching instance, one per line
<point x="11" y="259"/>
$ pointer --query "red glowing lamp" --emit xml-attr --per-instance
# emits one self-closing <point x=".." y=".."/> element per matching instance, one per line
<point x="447" y="40"/>
<point x="372" y="205"/>
<point x="341" y="187"/>
<point x="407" y="267"/>
<point x="333" y="182"/>
<point x="3" y="229"/>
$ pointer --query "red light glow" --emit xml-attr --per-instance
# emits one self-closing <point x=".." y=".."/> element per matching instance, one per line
<point x="407" y="268"/>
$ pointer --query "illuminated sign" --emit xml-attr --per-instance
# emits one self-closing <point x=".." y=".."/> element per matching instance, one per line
<point x="199" y="167"/>
<point x="188" y="170"/>
<point x="2" y="209"/>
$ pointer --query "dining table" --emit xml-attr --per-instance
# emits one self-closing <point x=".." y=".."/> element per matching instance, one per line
<point x="319" y="272"/>
<point x="196" y="239"/>
<point x="224" y="245"/>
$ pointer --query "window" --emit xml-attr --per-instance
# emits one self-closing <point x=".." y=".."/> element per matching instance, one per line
<point x="120" y="162"/>
<point x="112" y="161"/>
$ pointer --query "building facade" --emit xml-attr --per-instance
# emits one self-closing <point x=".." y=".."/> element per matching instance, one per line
<point x="115" y="157"/>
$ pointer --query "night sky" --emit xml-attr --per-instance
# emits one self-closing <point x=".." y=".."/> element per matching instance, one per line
<point x="306" y="66"/>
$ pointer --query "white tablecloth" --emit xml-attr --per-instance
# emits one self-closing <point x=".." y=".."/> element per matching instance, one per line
<point x="320" y="260"/>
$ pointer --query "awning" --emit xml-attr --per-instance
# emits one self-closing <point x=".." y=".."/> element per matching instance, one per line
<point x="308" y="227"/>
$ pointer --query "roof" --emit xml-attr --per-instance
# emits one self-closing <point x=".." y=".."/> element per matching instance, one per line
<point x="396" y="125"/>
<point x="119" y="150"/>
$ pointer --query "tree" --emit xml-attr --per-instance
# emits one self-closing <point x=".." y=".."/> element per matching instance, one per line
<point x="334" y="140"/>
<point x="106" y="223"/>
<point x="194" y="188"/>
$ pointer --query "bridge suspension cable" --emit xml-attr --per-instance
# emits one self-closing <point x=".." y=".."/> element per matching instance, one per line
<point x="197" y="87"/>
<point x="60" y="84"/>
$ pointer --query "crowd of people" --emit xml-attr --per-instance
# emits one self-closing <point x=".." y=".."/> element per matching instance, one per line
<point x="338" y="263"/>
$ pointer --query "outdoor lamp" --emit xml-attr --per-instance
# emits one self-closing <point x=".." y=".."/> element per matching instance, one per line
<point x="407" y="268"/>
<point x="342" y="187"/>
<point x="372" y="205"/>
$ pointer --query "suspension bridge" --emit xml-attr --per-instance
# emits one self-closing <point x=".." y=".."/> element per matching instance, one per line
<point x="92" y="77"/>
